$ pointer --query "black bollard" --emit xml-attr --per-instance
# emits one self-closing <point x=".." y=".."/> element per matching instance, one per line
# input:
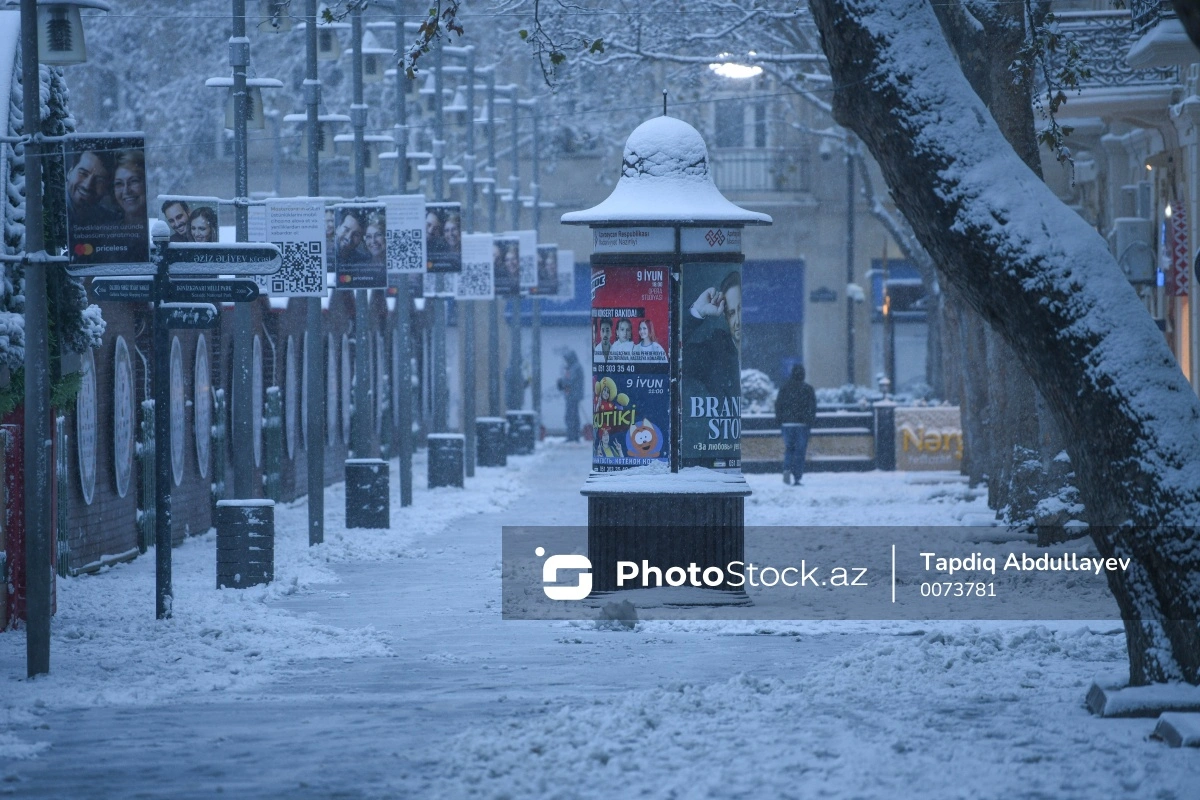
<point x="446" y="460"/>
<point x="245" y="543"/>
<point x="367" y="501"/>
<point x="522" y="432"/>
<point x="491" y="442"/>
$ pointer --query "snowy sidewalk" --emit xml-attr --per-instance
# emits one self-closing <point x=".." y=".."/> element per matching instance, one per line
<point x="378" y="666"/>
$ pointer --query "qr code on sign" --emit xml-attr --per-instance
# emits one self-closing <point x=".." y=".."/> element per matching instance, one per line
<point x="404" y="250"/>
<point x="476" y="281"/>
<point x="303" y="270"/>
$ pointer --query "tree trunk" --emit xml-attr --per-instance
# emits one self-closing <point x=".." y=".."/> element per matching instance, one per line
<point x="1047" y="283"/>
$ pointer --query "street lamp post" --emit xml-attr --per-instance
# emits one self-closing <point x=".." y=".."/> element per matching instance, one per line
<point x="403" y="301"/>
<point x="515" y="388"/>
<point x="494" y="408"/>
<point x="535" y="344"/>
<point x="314" y="319"/>
<point x="441" y="394"/>
<point x="37" y="439"/>
<point x="849" y="266"/>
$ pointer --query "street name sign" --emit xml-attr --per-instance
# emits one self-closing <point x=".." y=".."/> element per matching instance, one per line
<point x="194" y="258"/>
<point x="128" y="289"/>
<point x="188" y="315"/>
<point x="212" y="291"/>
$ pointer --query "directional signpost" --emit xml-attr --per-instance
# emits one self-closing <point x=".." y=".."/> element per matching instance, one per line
<point x="212" y="291"/>
<point x="130" y="290"/>
<point x="192" y="258"/>
<point x="183" y="302"/>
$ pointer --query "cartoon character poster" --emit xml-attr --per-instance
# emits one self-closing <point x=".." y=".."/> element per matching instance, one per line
<point x="711" y="345"/>
<point x="631" y="403"/>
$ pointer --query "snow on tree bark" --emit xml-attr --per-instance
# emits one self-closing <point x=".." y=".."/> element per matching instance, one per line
<point x="1047" y="283"/>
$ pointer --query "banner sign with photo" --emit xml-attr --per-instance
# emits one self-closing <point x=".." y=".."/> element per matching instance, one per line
<point x="360" y="246"/>
<point x="443" y="237"/>
<point x="547" y="269"/>
<point x="711" y="314"/>
<point x="297" y="227"/>
<point x="190" y="218"/>
<point x="439" y="284"/>
<point x="506" y="265"/>
<point x="529" y="271"/>
<point x="107" y="219"/>
<point x="631" y="400"/>
<point x="566" y="275"/>
<point x="476" y="281"/>
<point x="405" y="235"/>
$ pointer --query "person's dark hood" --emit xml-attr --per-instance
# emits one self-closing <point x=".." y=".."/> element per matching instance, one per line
<point x="571" y="357"/>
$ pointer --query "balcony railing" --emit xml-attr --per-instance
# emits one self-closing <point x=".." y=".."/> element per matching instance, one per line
<point x="759" y="169"/>
<point x="1105" y="38"/>
<point x="1148" y="13"/>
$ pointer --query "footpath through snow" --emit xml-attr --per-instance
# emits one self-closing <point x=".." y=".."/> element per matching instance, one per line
<point x="377" y="665"/>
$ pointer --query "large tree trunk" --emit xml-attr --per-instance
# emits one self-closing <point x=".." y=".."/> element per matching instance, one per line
<point x="1047" y="283"/>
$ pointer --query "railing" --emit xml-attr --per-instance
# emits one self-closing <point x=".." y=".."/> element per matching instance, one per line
<point x="1105" y="38"/>
<point x="1148" y="13"/>
<point x="759" y="169"/>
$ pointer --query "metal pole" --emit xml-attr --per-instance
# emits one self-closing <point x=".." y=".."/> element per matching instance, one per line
<point x="361" y="419"/>
<point x="403" y="303"/>
<point x="38" y="511"/>
<point x="314" y="319"/>
<point x="276" y="157"/>
<point x="494" y="408"/>
<point x="516" y="387"/>
<point x="243" y="404"/>
<point x="466" y="314"/>
<point x="163" y="593"/>
<point x="849" y="265"/>
<point x="441" y="393"/>
<point x="536" y="344"/>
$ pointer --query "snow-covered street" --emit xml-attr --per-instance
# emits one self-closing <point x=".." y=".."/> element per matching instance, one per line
<point x="377" y="665"/>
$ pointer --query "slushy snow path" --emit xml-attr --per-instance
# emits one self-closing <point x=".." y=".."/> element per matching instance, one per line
<point x="377" y="665"/>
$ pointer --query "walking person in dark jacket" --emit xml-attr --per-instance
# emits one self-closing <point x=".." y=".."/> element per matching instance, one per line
<point x="571" y="385"/>
<point x="795" y="411"/>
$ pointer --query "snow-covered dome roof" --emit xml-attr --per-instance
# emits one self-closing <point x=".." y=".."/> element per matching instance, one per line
<point x="665" y="178"/>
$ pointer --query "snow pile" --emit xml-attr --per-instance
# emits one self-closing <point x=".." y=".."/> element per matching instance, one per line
<point x="758" y="392"/>
<point x="108" y="649"/>
<point x="983" y="707"/>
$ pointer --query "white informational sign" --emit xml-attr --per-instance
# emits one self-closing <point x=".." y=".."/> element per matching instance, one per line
<point x="256" y="223"/>
<point x="477" y="279"/>
<point x="297" y="227"/>
<point x="405" y="235"/>
<point x="633" y="240"/>
<point x="85" y="426"/>
<point x="711" y="240"/>
<point x="177" y="410"/>
<point x="528" y="240"/>
<point x="440" y="284"/>
<point x="566" y="275"/>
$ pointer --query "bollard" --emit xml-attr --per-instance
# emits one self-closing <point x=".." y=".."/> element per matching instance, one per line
<point x="491" y="442"/>
<point x="245" y="543"/>
<point x="367" y="501"/>
<point x="522" y="432"/>
<point x="446" y="459"/>
<point x="885" y="435"/>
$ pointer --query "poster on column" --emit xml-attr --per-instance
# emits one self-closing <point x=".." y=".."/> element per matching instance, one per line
<point x="107" y="219"/>
<point x="360" y="246"/>
<point x="529" y="264"/>
<point x="631" y="400"/>
<point x="711" y="339"/>
<point x="443" y="237"/>
<point x="405" y="236"/>
<point x="297" y="227"/>
<point x="476" y="281"/>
